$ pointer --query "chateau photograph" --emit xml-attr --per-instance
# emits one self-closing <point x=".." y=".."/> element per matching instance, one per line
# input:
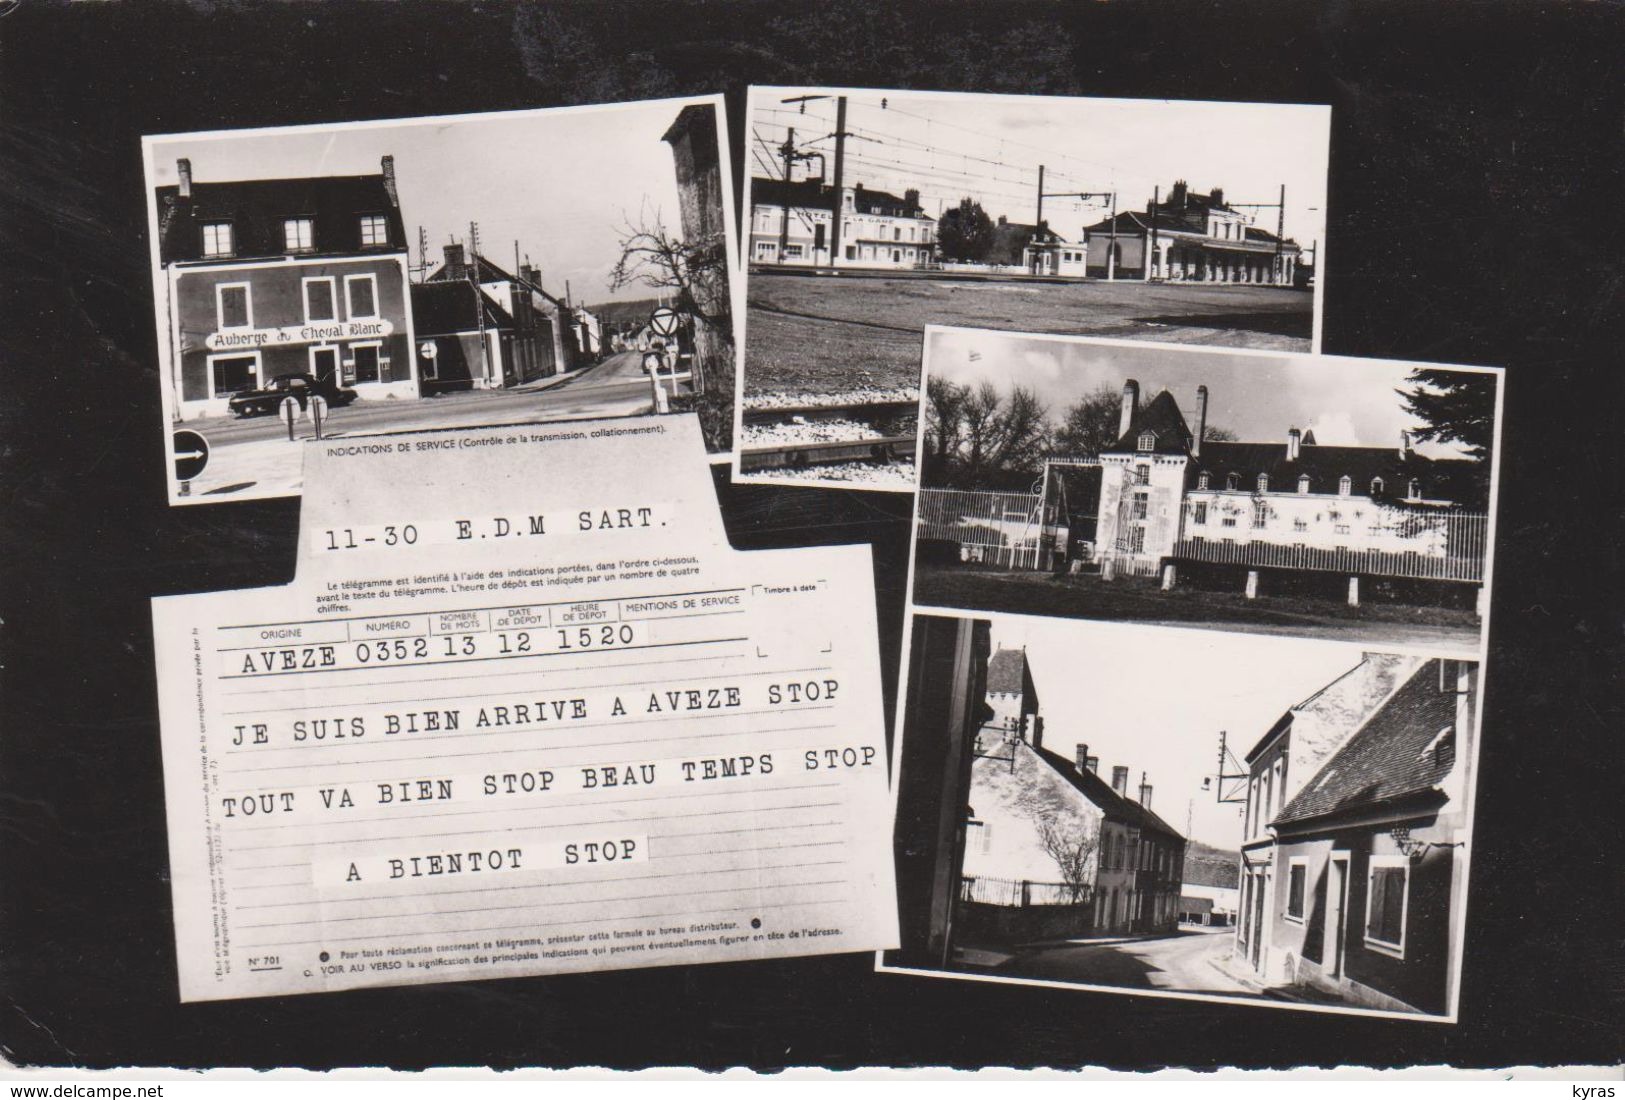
<point x="1333" y="498"/>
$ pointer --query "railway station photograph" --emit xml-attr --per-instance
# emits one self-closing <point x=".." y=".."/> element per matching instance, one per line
<point x="319" y="282"/>
<point x="1263" y="492"/>
<point x="872" y="214"/>
<point x="1290" y="825"/>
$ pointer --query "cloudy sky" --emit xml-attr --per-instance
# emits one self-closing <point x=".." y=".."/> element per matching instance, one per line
<point x="560" y="182"/>
<point x="1106" y="685"/>
<point x="1349" y="402"/>
<point x="989" y="147"/>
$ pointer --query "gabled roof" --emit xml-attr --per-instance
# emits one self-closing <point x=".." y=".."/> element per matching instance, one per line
<point x="1160" y="415"/>
<point x="257" y="209"/>
<point x="816" y="194"/>
<point x="1113" y="805"/>
<point x="443" y="308"/>
<point x="1137" y="223"/>
<point x="1007" y="671"/>
<point x="488" y="272"/>
<point x="1391" y="757"/>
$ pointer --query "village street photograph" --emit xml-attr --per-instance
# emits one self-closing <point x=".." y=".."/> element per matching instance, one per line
<point x="324" y="282"/>
<point x="1180" y="813"/>
<point x="873" y="214"/>
<point x="1266" y="492"/>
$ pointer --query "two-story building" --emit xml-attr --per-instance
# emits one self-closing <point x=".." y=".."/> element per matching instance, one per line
<point x="791" y="225"/>
<point x="266" y="277"/>
<point x="1169" y="497"/>
<point x="1050" y="828"/>
<point x="1190" y="237"/>
<point x="1354" y="855"/>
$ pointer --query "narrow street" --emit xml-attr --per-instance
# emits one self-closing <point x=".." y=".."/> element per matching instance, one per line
<point x="1182" y="961"/>
<point x="255" y="456"/>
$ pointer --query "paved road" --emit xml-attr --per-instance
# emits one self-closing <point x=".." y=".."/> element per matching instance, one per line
<point x="254" y="457"/>
<point x="1181" y="962"/>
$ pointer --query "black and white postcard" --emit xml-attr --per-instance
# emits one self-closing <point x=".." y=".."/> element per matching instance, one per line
<point x="1261" y="492"/>
<point x="323" y="282"/>
<point x="872" y="214"/>
<point x="1177" y="813"/>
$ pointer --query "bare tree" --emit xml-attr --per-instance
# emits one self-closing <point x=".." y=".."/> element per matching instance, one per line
<point x="1090" y="425"/>
<point x="1073" y="849"/>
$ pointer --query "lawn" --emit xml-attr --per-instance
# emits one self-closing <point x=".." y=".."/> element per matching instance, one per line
<point x="812" y="334"/>
<point x="1134" y="599"/>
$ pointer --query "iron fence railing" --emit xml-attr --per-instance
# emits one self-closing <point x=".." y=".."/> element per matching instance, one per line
<point x="996" y="528"/>
<point x="1020" y="893"/>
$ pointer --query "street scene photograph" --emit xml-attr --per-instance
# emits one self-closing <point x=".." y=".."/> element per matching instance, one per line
<point x="1178" y="813"/>
<point x="325" y="282"/>
<point x="873" y="214"/>
<point x="1266" y="492"/>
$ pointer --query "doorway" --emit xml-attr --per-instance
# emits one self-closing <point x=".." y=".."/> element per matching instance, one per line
<point x="1337" y="887"/>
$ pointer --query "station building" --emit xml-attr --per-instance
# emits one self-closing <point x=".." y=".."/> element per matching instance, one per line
<point x="266" y="277"/>
<point x="878" y="229"/>
<point x="1190" y="237"/>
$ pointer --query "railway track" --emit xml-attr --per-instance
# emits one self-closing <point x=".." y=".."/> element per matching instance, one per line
<point x="889" y="434"/>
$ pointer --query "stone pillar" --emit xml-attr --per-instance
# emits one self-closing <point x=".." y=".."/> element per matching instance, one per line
<point x="1354" y="591"/>
<point x="1168" y="577"/>
<point x="1252" y="584"/>
<point x="1482" y="603"/>
<point x="1107" y="568"/>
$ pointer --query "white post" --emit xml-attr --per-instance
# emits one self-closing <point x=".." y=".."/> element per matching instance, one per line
<point x="1168" y="577"/>
<point x="1252" y="584"/>
<point x="1354" y="591"/>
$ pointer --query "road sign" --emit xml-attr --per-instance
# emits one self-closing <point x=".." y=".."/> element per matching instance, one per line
<point x="428" y="349"/>
<point x="663" y="321"/>
<point x="191" y="454"/>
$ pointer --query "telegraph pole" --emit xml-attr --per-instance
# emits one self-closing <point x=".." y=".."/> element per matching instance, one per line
<point x="1280" y="235"/>
<point x="1156" y="198"/>
<point x="1038" y="218"/>
<point x="479" y="301"/>
<point x="423" y="253"/>
<point x="840" y="164"/>
<point x="788" y="151"/>
<point x="1111" y="255"/>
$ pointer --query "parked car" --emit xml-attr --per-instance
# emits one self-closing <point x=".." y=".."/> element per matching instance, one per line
<point x="300" y="387"/>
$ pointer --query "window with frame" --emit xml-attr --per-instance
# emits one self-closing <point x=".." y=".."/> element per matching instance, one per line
<point x="1414" y="489"/>
<point x="765" y="250"/>
<point x="1141" y="505"/>
<point x="1387" y="883"/>
<point x="1303" y="483"/>
<point x="298" y="234"/>
<point x="1345" y="485"/>
<point x="1263" y="483"/>
<point x="1376" y="486"/>
<point x="1202" y="480"/>
<point x="218" y="239"/>
<point x="321" y="300"/>
<point x="1136" y="540"/>
<point x="792" y="251"/>
<point x="366" y="362"/>
<point x="234" y="374"/>
<point x="1300" y="524"/>
<point x="1297" y="883"/>
<point x="361" y="296"/>
<point x="1261" y="514"/>
<point x="1199" y="512"/>
<point x="1142" y="474"/>
<point x="1147" y="441"/>
<point x="1232" y="482"/>
<point x="374" y="230"/>
<point x="232" y="308"/>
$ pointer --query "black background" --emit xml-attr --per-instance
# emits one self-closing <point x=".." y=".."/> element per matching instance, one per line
<point x="1474" y="217"/>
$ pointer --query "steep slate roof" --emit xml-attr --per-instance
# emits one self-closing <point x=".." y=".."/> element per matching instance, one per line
<point x="1324" y="465"/>
<point x="1007" y="671"/>
<point x="488" y="272"/>
<point x="257" y="208"/>
<point x="1161" y="415"/>
<point x="1136" y="223"/>
<point x="443" y="308"/>
<point x="1385" y="760"/>
<point x="1112" y="804"/>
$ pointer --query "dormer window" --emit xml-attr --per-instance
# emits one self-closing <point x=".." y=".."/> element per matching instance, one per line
<point x="374" y="230"/>
<point x="1376" y="486"/>
<point x="217" y="239"/>
<point x="1263" y="483"/>
<point x="1303" y="483"/>
<point x="1232" y="482"/>
<point x="297" y="234"/>
<point x="1414" y="490"/>
<point x="1148" y="440"/>
<point x="1345" y="485"/>
<point x="1202" y="480"/>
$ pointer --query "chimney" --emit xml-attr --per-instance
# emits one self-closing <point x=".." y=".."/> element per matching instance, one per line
<point x="1201" y="421"/>
<point x="1131" y="404"/>
<point x="1145" y="792"/>
<point x="1217" y="196"/>
<point x="1093" y="764"/>
<point x="1178" y="194"/>
<point x="183" y="168"/>
<point x="1082" y="757"/>
<point x="388" y="164"/>
<point x="1404" y="444"/>
<point x="1038" y="731"/>
<point x="1294" y="439"/>
<point x="1120" y="779"/>
<point x="1003" y="220"/>
<point x="455" y="263"/>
